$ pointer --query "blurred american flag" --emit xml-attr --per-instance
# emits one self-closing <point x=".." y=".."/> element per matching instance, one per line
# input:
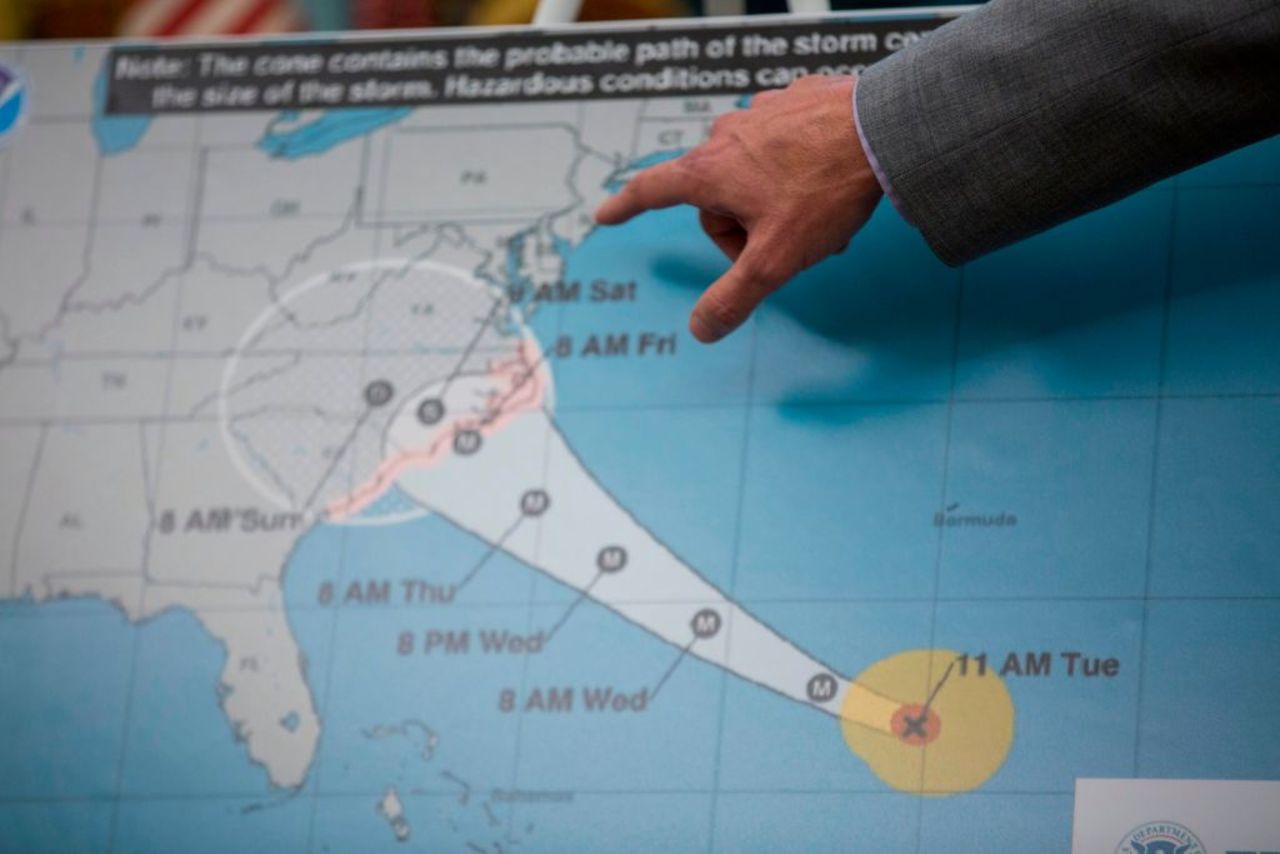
<point x="164" y="18"/>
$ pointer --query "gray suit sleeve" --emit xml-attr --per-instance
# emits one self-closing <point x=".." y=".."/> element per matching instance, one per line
<point x="1025" y="113"/>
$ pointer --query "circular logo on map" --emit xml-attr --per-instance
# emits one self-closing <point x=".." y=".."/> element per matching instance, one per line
<point x="1160" y="837"/>
<point x="13" y="96"/>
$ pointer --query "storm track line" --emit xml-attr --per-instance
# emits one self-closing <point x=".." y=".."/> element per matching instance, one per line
<point x="471" y="345"/>
<point x="493" y="549"/>
<point x="684" y="651"/>
<point x="583" y="595"/>
<point x="337" y="458"/>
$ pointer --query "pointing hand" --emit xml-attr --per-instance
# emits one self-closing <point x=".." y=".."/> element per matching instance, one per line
<point x="779" y="186"/>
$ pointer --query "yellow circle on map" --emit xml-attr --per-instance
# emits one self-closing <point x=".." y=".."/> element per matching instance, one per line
<point x="950" y="745"/>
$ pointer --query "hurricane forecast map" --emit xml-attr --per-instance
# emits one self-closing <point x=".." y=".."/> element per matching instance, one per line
<point x="358" y="493"/>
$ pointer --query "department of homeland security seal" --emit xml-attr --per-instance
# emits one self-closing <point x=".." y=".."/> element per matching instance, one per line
<point x="1160" y="837"/>
<point x="13" y="96"/>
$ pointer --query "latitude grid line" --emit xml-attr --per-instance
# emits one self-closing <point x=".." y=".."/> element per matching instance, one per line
<point x="940" y="542"/>
<point x="258" y="798"/>
<point x="21" y="520"/>
<point x="1166" y="310"/>
<point x="195" y="199"/>
<point x="316" y="771"/>
<point x="226" y="352"/>
<point x="731" y="587"/>
<point x="50" y="420"/>
<point x="535" y="581"/>
<point x="537" y="577"/>
<point x="135" y="640"/>
<point x="435" y="218"/>
<point x="6" y="170"/>
<point x="21" y="613"/>
<point x="429" y="218"/>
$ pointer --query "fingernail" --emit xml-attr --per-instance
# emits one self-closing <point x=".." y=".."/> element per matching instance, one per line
<point x="706" y="331"/>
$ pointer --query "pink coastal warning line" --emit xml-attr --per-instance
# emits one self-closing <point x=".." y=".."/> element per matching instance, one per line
<point x="519" y="386"/>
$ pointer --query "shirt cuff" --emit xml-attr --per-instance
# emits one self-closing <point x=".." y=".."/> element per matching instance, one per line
<point x="875" y="164"/>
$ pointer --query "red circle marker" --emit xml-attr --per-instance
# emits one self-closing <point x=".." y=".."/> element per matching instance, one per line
<point x="915" y="725"/>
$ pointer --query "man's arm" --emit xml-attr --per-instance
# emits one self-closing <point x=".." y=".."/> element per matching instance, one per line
<point x="1013" y="118"/>
<point x="1026" y="113"/>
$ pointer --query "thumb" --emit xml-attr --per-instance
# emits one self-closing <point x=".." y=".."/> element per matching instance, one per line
<point x="730" y="299"/>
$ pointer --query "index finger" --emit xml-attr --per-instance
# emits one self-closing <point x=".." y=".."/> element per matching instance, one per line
<point x="662" y="186"/>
